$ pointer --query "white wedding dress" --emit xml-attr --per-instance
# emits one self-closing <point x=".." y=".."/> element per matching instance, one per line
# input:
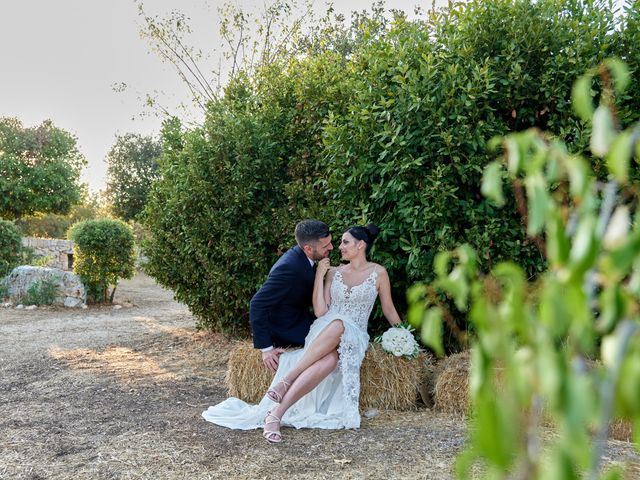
<point x="334" y="402"/>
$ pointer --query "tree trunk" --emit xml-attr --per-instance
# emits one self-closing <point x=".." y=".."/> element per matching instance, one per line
<point x="113" y="292"/>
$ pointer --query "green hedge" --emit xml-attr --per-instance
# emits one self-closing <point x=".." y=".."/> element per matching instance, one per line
<point x="428" y="97"/>
<point x="103" y="254"/>
<point x="232" y="191"/>
<point x="11" y="250"/>
<point x="52" y="225"/>
<point x="392" y="129"/>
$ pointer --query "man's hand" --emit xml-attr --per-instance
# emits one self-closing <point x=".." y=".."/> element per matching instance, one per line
<point x="271" y="358"/>
<point x="323" y="267"/>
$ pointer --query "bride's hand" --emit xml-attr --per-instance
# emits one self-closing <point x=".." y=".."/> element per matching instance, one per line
<point x="323" y="267"/>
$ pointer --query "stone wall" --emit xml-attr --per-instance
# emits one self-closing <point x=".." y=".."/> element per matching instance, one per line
<point x="69" y="290"/>
<point x="59" y="252"/>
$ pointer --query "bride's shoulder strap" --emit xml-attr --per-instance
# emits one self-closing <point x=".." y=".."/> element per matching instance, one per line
<point x="379" y="271"/>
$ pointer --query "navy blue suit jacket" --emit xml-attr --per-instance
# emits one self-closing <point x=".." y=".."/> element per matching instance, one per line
<point x="280" y="311"/>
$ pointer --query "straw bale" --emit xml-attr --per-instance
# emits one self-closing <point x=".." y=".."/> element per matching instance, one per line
<point x="246" y="377"/>
<point x="387" y="382"/>
<point x="428" y="386"/>
<point x="621" y="430"/>
<point x="451" y="393"/>
<point x="391" y="383"/>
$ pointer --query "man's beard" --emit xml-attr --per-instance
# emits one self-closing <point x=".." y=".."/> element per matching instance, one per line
<point x="317" y="256"/>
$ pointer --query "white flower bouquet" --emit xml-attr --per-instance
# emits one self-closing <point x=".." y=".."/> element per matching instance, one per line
<point x="399" y="341"/>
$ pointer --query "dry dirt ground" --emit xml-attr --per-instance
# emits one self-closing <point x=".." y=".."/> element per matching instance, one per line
<point x="109" y="393"/>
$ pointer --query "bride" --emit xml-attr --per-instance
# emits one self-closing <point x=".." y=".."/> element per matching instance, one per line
<point x="308" y="391"/>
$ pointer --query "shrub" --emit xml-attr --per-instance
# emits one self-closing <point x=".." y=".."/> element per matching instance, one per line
<point x="11" y="249"/>
<point x="428" y="97"/>
<point x="395" y="131"/>
<point x="140" y="233"/>
<point x="39" y="261"/>
<point x="233" y="190"/>
<point x="49" y="225"/>
<point x="52" y="225"/>
<point x="40" y="292"/>
<point x="563" y="351"/>
<point x="103" y="254"/>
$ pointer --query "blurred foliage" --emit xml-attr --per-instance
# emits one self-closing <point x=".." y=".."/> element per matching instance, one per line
<point x="39" y="169"/>
<point x="384" y="119"/>
<point x="103" y="253"/>
<point x="132" y="166"/>
<point x="563" y="351"/>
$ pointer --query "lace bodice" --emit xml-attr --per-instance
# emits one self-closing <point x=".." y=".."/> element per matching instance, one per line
<point x="355" y="302"/>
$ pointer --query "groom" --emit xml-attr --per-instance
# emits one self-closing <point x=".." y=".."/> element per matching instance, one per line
<point x="280" y="311"/>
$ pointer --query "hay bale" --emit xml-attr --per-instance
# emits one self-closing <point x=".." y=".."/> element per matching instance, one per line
<point x="387" y="382"/>
<point x="427" y="388"/>
<point x="621" y="430"/>
<point x="391" y="383"/>
<point x="451" y="393"/>
<point x="246" y="377"/>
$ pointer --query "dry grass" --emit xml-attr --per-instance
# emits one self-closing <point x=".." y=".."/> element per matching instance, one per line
<point x="133" y="412"/>
<point x="387" y="382"/>
<point x="119" y="395"/>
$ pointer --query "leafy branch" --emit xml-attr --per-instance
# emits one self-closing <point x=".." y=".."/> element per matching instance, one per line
<point x="562" y="352"/>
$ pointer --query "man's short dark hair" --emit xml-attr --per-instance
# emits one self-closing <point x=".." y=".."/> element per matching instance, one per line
<point x="310" y="231"/>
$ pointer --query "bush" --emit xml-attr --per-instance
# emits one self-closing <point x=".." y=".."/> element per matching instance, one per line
<point x="395" y="131"/>
<point x="40" y="292"/>
<point x="11" y="249"/>
<point x="232" y="191"/>
<point x="52" y="225"/>
<point x="410" y="152"/>
<point x="103" y="254"/>
<point x="563" y="351"/>
<point x="4" y="289"/>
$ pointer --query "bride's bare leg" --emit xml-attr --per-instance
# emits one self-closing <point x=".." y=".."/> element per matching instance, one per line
<point x="307" y="381"/>
<point x="326" y="342"/>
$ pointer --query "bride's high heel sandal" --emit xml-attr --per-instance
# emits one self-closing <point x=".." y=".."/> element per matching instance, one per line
<point x="275" y="396"/>
<point x="272" y="436"/>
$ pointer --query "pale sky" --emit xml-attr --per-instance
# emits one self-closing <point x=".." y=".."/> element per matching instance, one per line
<point x="60" y="58"/>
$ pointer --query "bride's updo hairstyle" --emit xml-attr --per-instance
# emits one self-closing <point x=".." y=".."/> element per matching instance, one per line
<point x="367" y="234"/>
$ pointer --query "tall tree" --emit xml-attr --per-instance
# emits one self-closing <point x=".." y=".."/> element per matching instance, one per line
<point x="132" y="168"/>
<point x="39" y="169"/>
